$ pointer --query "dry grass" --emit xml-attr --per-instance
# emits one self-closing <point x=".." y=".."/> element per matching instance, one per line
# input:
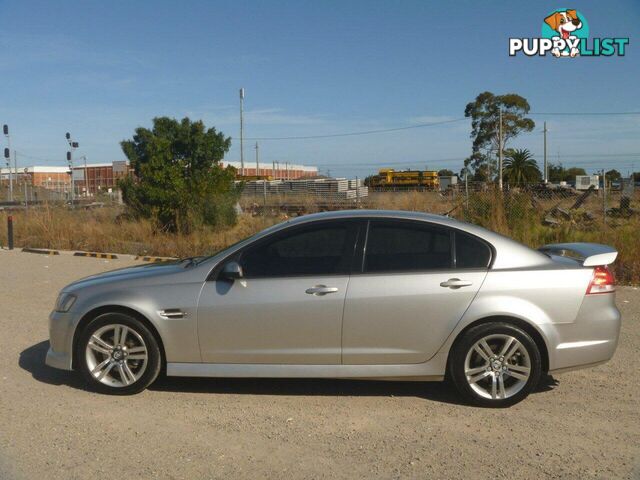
<point x="106" y="230"/>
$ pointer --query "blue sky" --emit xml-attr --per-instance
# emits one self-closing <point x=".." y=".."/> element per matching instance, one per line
<point x="101" y="69"/>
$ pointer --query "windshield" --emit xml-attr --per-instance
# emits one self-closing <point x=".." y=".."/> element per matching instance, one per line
<point x="201" y="259"/>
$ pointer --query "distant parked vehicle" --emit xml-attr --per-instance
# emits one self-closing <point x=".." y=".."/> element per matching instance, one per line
<point x="350" y="294"/>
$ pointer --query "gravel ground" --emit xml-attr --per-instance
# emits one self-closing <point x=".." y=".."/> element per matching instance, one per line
<point x="578" y="425"/>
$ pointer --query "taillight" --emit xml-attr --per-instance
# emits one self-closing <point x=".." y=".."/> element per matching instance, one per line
<point x="602" y="281"/>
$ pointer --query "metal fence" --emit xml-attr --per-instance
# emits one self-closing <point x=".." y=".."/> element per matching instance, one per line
<point x="303" y="195"/>
<point x="553" y="205"/>
<point x="27" y="194"/>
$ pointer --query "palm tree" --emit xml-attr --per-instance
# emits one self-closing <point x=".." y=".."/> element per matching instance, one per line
<point x="520" y="167"/>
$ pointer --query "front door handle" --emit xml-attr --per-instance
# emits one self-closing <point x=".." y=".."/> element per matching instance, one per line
<point x="456" y="283"/>
<point x="320" y="290"/>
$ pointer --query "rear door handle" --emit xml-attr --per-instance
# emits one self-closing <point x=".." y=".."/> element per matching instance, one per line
<point x="320" y="290"/>
<point x="456" y="283"/>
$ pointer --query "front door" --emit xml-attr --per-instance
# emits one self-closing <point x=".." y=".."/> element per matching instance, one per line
<point x="287" y="308"/>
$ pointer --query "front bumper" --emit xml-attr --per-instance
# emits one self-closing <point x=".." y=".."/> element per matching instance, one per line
<point x="60" y="352"/>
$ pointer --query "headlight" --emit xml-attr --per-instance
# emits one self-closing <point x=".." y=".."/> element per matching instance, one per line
<point x="64" y="302"/>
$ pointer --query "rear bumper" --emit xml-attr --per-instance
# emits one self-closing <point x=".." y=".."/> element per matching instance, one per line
<point x="590" y="340"/>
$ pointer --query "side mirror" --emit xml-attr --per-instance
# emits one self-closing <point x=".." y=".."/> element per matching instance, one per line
<point x="231" y="271"/>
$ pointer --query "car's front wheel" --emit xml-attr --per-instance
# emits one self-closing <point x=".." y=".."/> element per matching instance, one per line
<point x="495" y="365"/>
<point x="117" y="354"/>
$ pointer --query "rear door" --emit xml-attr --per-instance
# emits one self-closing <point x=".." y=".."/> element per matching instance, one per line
<point x="288" y="307"/>
<point x="416" y="281"/>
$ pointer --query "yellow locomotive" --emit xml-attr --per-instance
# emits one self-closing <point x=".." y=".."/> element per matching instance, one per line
<point x="390" y="179"/>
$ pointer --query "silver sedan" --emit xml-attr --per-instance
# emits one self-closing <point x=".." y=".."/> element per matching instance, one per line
<point x="351" y="294"/>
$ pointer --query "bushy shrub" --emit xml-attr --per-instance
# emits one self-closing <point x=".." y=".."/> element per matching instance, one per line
<point x="178" y="181"/>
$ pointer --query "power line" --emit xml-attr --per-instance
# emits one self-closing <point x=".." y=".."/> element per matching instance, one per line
<point x="460" y="159"/>
<point x="584" y="113"/>
<point x="431" y="124"/>
<point x="364" y="132"/>
<point x="587" y="164"/>
<point x="33" y="157"/>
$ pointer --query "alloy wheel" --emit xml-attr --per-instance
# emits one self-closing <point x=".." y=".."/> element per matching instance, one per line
<point x="497" y="366"/>
<point x="116" y="355"/>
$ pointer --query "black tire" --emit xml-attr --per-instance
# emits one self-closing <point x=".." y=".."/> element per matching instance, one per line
<point x="153" y="356"/>
<point x="458" y="356"/>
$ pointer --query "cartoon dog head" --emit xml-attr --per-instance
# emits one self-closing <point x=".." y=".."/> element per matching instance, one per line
<point x="564" y="23"/>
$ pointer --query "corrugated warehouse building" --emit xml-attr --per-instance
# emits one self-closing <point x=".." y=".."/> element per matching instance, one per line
<point x="50" y="177"/>
<point x="96" y="178"/>
<point x="275" y="170"/>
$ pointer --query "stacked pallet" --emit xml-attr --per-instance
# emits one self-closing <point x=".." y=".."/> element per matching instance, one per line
<point x="326" y="189"/>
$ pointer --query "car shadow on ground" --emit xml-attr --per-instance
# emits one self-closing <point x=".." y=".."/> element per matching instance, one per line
<point x="32" y="360"/>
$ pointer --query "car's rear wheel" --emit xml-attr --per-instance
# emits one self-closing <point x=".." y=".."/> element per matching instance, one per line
<point x="117" y="354"/>
<point x="495" y="365"/>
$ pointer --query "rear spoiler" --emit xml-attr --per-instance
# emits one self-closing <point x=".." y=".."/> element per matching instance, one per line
<point x="590" y="254"/>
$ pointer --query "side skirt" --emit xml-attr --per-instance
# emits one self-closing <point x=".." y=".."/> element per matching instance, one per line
<point x="421" y="371"/>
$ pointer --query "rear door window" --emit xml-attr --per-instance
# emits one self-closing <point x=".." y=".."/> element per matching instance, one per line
<point x="405" y="246"/>
<point x="471" y="252"/>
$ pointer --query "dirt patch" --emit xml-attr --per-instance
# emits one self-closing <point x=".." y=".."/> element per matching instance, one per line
<point x="582" y="424"/>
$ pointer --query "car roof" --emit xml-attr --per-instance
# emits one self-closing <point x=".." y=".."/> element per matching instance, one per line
<point x="364" y="213"/>
<point x="394" y="214"/>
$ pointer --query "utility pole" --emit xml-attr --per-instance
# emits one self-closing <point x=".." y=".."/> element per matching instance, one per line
<point x="242" y="131"/>
<point x="546" y="169"/>
<point x="466" y="191"/>
<point x="15" y="165"/>
<point x="273" y="169"/>
<point x="73" y="145"/>
<point x="604" y="197"/>
<point x="86" y="176"/>
<point x="257" y="161"/>
<point x="7" y="159"/>
<point x="7" y="156"/>
<point x="86" y="182"/>
<point x="500" y="154"/>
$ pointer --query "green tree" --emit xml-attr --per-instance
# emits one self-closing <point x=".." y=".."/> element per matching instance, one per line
<point x="570" y="174"/>
<point x="484" y="112"/>
<point x="445" y="172"/>
<point x="178" y="179"/>
<point x="479" y="167"/>
<point x="556" y="172"/>
<point x="613" y="175"/>
<point x="520" y="167"/>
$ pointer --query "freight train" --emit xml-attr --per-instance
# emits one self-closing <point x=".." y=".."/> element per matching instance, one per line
<point x="389" y="179"/>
